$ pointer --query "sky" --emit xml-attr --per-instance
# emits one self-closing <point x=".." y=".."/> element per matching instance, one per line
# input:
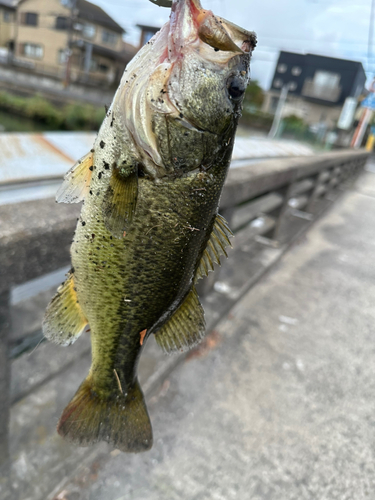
<point x="336" y="28"/>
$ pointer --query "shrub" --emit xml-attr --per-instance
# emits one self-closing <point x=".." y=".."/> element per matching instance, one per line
<point x="69" y="117"/>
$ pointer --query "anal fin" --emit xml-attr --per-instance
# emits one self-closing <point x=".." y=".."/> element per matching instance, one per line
<point x="185" y="328"/>
<point x="120" y="202"/>
<point x="77" y="181"/>
<point x="219" y="240"/>
<point x="64" y="320"/>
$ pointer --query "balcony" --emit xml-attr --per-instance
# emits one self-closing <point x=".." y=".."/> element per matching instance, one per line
<point x="322" y="92"/>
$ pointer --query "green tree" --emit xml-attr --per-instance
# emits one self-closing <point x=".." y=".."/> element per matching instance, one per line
<point x="254" y="95"/>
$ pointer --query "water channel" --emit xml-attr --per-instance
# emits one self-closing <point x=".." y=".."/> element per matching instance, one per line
<point x="10" y="122"/>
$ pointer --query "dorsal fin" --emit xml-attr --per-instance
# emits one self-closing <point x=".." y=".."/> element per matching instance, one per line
<point x="77" y="181"/>
<point x="185" y="328"/>
<point x="216" y="245"/>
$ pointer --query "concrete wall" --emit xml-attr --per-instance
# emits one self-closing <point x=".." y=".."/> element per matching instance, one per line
<point x="6" y="26"/>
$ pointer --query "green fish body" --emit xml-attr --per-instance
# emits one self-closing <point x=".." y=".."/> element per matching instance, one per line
<point x="148" y="230"/>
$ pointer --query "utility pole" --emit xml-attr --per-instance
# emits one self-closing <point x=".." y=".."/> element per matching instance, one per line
<point x="361" y="129"/>
<point x="370" y="36"/>
<point x="69" y="45"/>
<point x="279" y="111"/>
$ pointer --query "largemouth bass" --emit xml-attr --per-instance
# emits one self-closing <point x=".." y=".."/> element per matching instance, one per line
<point x="149" y="227"/>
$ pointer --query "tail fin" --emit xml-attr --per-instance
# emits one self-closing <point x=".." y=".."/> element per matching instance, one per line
<point x="120" y="420"/>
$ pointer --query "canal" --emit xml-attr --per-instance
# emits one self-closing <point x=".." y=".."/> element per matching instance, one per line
<point x="10" y="122"/>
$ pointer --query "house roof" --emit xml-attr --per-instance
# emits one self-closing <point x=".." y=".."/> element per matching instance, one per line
<point x="148" y="28"/>
<point x="93" y="13"/>
<point x="309" y="58"/>
<point x="11" y="4"/>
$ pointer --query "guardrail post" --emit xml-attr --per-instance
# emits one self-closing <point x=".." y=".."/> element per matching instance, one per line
<point x="279" y="213"/>
<point x="4" y="376"/>
<point x="320" y="188"/>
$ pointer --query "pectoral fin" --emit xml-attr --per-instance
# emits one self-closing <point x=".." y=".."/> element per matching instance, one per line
<point x="219" y="239"/>
<point x="77" y="181"/>
<point x="120" y="202"/>
<point x="64" y="320"/>
<point x="185" y="328"/>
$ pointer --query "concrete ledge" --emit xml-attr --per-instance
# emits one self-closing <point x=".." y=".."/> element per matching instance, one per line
<point x="247" y="182"/>
<point x="35" y="238"/>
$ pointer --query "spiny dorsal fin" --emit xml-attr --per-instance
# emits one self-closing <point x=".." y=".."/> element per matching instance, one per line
<point x="219" y="239"/>
<point x="120" y="202"/>
<point x="185" y="328"/>
<point x="77" y="181"/>
<point x="64" y="320"/>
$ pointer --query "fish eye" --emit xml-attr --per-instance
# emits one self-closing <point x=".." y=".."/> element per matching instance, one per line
<point x="236" y="87"/>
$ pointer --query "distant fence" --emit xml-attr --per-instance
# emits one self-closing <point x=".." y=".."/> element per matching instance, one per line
<point x="58" y="73"/>
<point x="273" y="200"/>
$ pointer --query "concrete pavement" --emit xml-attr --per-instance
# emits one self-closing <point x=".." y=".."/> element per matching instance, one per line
<point x="279" y="403"/>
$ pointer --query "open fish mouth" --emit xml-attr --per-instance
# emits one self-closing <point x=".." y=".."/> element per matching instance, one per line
<point x="214" y="30"/>
<point x="189" y="21"/>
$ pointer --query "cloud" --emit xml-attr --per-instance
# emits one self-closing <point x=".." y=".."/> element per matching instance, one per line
<point x="337" y="28"/>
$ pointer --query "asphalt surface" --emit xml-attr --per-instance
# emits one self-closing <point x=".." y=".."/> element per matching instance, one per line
<point x="279" y="404"/>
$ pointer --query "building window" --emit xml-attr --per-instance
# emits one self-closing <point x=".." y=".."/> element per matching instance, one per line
<point x="326" y="80"/>
<point x="96" y="66"/>
<point x="61" y="23"/>
<point x="88" y="30"/>
<point x="93" y="65"/>
<point x="62" y="56"/>
<point x="296" y="71"/>
<point x="103" y="68"/>
<point x="325" y="85"/>
<point x="281" y="68"/>
<point x="109" y="38"/>
<point x="147" y="36"/>
<point x="29" y="18"/>
<point x="7" y="16"/>
<point x="278" y="83"/>
<point x="32" y="50"/>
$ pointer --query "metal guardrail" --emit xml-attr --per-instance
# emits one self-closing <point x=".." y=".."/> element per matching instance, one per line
<point x="272" y="201"/>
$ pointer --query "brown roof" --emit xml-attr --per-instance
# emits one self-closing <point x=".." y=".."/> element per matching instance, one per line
<point x="93" y="13"/>
<point x="148" y="28"/>
<point x="11" y="4"/>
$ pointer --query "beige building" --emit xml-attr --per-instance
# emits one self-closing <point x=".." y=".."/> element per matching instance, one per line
<point x="7" y="23"/>
<point x="70" y="39"/>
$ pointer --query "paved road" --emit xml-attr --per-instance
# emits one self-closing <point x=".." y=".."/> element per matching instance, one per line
<point x="282" y="404"/>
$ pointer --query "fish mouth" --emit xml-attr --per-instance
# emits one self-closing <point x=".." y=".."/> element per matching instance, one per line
<point x="189" y="22"/>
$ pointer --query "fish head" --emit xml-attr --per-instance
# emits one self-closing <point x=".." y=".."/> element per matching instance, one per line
<point x="186" y="89"/>
<point x="210" y="60"/>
